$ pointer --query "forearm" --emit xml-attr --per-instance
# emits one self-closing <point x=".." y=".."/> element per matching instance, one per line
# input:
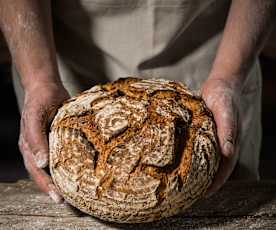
<point x="248" y="24"/>
<point x="27" y="26"/>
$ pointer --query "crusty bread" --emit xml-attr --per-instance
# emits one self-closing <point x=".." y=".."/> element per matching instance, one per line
<point x="133" y="150"/>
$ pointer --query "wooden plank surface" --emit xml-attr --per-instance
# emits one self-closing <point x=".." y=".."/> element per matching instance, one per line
<point x="239" y="205"/>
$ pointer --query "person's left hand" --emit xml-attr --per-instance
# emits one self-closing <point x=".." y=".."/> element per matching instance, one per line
<point x="223" y="98"/>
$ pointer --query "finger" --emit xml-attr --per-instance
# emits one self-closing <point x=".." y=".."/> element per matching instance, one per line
<point x="40" y="177"/>
<point x="44" y="182"/>
<point x="225" y="114"/>
<point x="225" y="169"/>
<point x="36" y="134"/>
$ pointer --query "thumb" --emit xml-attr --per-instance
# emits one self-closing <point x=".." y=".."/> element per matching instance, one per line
<point x="222" y="98"/>
<point x="225" y="114"/>
<point x="34" y="133"/>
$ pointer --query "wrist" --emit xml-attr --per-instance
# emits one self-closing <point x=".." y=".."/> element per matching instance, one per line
<point x="232" y="77"/>
<point x="45" y="93"/>
<point x="42" y="87"/>
<point x="229" y="81"/>
<point x="36" y="81"/>
<point x="37" y="69"/>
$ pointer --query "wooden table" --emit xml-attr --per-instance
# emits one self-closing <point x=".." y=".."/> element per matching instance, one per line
<point x="239" y="205"/>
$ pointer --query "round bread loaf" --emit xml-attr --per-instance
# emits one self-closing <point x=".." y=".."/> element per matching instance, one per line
<point x="133" y="150"/>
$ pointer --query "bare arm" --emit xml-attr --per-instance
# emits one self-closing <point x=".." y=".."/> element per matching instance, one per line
<point x="248" y="25"/>
<point x="27" y="26"/>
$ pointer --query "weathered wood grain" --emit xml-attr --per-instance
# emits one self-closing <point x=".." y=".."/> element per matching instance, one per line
<point x="239" y="205"/>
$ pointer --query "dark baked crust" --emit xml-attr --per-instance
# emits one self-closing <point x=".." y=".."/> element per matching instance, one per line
<point x="133" y="150"/>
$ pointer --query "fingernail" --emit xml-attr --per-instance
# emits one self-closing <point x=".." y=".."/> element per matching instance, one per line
<point x="41" y="159"/>
<point x="196" y="93"/>
<point x="228" y="148"/>
<point x="55" y="196"/>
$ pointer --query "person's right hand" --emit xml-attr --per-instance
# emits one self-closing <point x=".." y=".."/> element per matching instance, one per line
<point x="40" y="104"/>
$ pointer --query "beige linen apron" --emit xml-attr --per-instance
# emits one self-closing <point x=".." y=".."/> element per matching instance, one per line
<point x="102" y="40"/>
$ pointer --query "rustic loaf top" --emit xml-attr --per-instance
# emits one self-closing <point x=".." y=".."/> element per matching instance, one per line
<point x="133" y="150"/>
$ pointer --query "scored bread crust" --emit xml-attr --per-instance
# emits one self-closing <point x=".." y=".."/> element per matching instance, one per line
<point x="133" y="150"/>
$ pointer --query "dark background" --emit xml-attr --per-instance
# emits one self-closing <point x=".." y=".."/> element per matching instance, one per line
<point x="11" y="162"/>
